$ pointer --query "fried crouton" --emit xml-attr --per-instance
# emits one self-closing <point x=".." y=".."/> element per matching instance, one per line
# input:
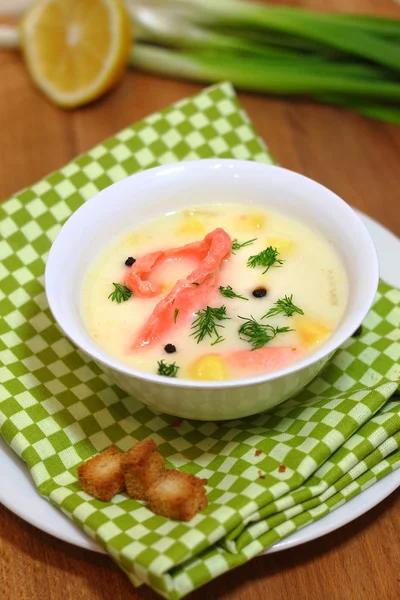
<point x="177" y="495"/>
<point x="170" y="493"/>
<point x="141" y="467"/>
<point x="101" y="475"/>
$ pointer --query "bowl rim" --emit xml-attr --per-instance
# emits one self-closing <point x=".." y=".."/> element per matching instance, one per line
<point x="321" y="353"/>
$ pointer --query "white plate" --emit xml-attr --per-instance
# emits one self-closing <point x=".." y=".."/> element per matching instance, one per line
<point x="19" y="494"/>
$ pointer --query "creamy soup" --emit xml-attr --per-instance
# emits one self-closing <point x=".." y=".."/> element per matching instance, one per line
<point x="216" y="292"/>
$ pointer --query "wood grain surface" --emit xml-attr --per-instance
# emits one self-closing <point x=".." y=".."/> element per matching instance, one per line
<point x="357" y="158"/>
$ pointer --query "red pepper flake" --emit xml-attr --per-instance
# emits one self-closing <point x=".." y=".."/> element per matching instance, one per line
<point x="282" y="468"/>
<point x="261" y="474"/>
<point x="257" y="452"/>
<point x="176" y="422"/>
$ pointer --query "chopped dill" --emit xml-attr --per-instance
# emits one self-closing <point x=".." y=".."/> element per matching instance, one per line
<point x="167" y="369"/>
<point x="236" y="245"/>
<point x="284" y="306"/>
<point x="205" y="324"/>
<point x="120" y="294"/>
<point x="266" y="258"/>
<point x="229" y="293"/>
<point x="258" y="334"/>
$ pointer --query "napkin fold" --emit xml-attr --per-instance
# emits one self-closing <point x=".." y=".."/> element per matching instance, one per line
<point x="57" y="408"/>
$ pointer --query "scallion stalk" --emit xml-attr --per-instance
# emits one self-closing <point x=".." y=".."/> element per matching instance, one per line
<point x="248" y="73"/>
<point x="355" y="37"/>
<point x="9" y="37"/>
<point x="383" y="112"/>
<point x="346" y="60"/>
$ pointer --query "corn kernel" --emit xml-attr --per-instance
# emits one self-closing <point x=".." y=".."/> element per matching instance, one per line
<point x="209" y="367"/>
<point x="311" y="331"/>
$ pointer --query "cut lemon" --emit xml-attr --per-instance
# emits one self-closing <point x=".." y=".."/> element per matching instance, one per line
<point x="76" y="50"/>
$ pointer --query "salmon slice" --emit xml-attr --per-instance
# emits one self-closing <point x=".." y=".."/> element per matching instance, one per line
<point x="188" y="295"/>
<point x="136" y="279"/>
<point x="263" y="360"/>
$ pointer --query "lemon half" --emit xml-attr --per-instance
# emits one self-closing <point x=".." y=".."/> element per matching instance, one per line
<point x="76" y="50"/>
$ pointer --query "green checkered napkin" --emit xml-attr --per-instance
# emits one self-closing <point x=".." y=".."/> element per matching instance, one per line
<point x="57" y="408"/>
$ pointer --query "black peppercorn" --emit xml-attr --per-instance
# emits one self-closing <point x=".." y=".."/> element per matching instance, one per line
<point x="357" y="332"/>
<point x="259" y="293"/>
<point x="170" y="348"/>
<point x="130" y="261"/>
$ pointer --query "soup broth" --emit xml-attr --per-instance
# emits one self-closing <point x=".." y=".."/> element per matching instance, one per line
<point x="269" y="291"/>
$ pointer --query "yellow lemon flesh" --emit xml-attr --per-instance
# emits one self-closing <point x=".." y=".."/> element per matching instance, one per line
<point x="76" y="50"/>
<point x="209" y="367"/>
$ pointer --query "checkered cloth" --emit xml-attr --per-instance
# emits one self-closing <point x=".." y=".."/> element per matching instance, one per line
<point x="57" y="408"/>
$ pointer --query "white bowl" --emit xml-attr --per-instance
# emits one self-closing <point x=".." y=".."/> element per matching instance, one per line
<point x="134" y="200"/>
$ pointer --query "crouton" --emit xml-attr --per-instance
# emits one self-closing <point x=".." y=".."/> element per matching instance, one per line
<point x="141" y="467"/>
<point x="101" y="475"/>
<point x="172" y="494"/>
<point x="177" y="495"/>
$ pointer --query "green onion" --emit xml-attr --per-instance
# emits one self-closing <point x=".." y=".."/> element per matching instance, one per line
<point x="346" y="60"/>
<point x="257" y="75"/>
<point x="357" y="36"/>
<point x="352" y="61"/>
<point x="9" y="37"/>
<point x="388" y="113"/>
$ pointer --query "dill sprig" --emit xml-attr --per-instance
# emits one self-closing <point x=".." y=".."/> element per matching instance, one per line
<point x="229" y="293"/>
<point x="236" y="245"/>
<point x="259" y="334"/>
<point x="120" y="294"/>
<point x="266" y="258"/>
<point x="205" y="324"/>
<point x="167" y="369"/>
<point x="285" y="306"/>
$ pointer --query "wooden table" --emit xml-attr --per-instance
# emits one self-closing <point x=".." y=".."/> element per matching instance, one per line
<point x="357" y="158"/>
